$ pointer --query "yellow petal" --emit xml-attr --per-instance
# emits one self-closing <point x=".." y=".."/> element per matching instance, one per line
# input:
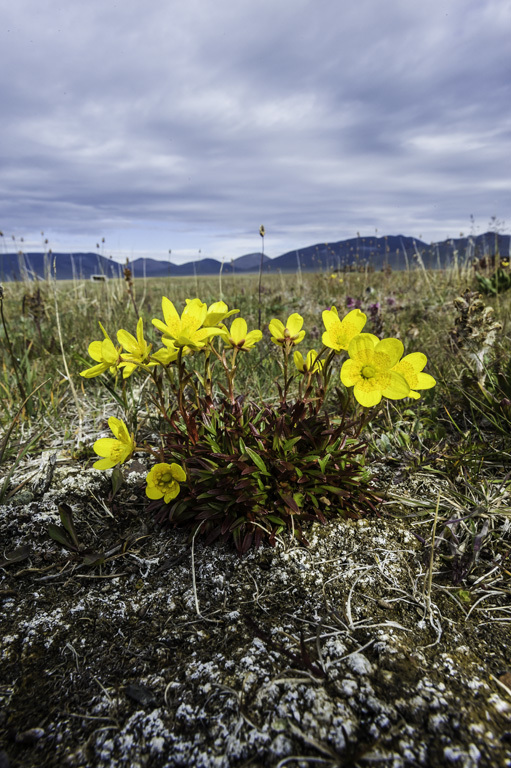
<point x="104" y="464"/>
<point x="104" y="446"/>
<point x="119" y="429"/>
<point x="108" y="352"/>
<point x="128" y="341"/>
<point x="367" y="392"/>
<point x="170" y="313"/>
<point x="140" y="333"/>
<point x="350" y="373"/>
<point x="96" y="370"/>
<point x="294" y="324"/>
<point x="193" y="315"/>
<point x="361" y="347"/>
<point x="389" y="352"/>
<point x="95" y="348"/>
<point x="417" y="360"/>
<point x="252" y="338"/>
<point x="105" y="334"/>
<point x="153" y="493"/>
<point x="172" y="492"/>
<point x="298" y="360"/>
<point x="178" y="473"/>
<point x="276" y="328"/>
<point x="238" y="330"/>
<point x="330" y="318"/>
<point x="398" y="387"/>
<point x="425" y="381"/>
<point x="353" y="322"/>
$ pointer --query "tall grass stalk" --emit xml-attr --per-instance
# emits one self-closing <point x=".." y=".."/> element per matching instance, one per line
<point x="14" y="362"/>
<point x="79" y="410"/>
<point x="261" y="232"/>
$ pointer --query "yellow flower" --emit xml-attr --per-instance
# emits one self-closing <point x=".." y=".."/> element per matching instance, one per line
<point x="410" y="368"/>
<point x="290" y="333"/>
<point x="339" y="332"/>
<point x="238" y="337"/>
<point x="369" y="369"/>
<point x="114" y="450"/>
<point x="310" y="364"/>
<point x="105" y="353"/>
<point x="163" y="481"/>
<point x="185" y="331"/>
<point x="137" y="348"/>
<point x="217" y="313"/>
<point x="168" y="354"/>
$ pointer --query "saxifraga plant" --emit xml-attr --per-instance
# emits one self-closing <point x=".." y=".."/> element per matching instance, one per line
<point x="230" y="468"/>
<point x="256" y="470"/>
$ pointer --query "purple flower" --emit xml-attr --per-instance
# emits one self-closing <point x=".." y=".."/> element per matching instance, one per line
<point x="353" y="303"/>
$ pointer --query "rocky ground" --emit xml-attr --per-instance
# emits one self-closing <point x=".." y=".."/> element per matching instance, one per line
<point x="141" y="650"/>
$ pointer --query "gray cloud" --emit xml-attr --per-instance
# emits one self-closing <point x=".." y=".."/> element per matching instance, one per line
<point x="186" y="125"/>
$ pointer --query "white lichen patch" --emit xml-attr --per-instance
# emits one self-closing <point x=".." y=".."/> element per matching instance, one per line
<point x="321" y="652"/>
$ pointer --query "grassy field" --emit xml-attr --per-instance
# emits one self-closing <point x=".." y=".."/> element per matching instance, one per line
<point x="456" y="435"/>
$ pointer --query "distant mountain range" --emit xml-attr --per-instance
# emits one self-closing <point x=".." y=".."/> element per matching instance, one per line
<point x="398" y="251"/>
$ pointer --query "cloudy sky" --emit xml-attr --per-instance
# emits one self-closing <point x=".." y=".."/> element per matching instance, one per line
<point x="186" y="124"/>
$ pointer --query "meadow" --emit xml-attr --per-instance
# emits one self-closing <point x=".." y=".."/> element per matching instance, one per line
<point x="440" y="466"/>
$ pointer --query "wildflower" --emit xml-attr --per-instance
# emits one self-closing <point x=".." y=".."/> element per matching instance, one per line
<point x="163" y="481"/>
<point x="137" y="348"/>
<point x="216" y="314"/>
<point x="353" y="303"/>
<point x="339" y="332"/>
<point x="410" y="368"/>
<point x="290" y="334"/>
<point x="105" y="353"/>
<point x="169" y="353"/>
<point x="369" y="369"/>
<point x="238" y="337"/>
<point x="185" y="331"/>
<point x="114" y="450"/>
<point x="310" y="364"/>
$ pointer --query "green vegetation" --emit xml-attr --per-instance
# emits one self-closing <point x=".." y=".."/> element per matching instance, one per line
<point x="453" y="443"/>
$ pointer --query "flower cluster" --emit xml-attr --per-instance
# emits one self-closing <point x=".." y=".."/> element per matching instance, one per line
<point x="374" y="367"/>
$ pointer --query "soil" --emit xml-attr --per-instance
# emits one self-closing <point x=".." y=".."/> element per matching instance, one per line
<point x="143" y="650"/>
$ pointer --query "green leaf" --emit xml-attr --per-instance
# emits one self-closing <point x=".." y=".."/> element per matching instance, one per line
<point x="298" y="497"/>
<point x="257" y="460"/>
<point x="275" y="519"/>
<point x="59" y="534"/>
<point x="66" y="516"/>
<point x="117" y="480"/>
<point x="287" y="444"/>
<point x="93" y="559"/>
<point x="323" y="462"/>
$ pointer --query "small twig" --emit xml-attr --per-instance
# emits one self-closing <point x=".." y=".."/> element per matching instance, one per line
<point x="430" y="574"/>
<point x="197" y="608"/>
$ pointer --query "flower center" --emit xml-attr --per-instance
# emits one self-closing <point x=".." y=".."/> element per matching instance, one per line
<point x="368" y="371"/>
<point x="166" y="478"/>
